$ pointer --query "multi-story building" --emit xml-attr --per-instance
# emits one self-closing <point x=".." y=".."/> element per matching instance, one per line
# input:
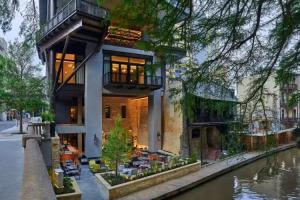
<point x="279" y="114"/>
<point x="97" y="74"/>
<point x="260" y="116"/>
<point x="289" y="114"/>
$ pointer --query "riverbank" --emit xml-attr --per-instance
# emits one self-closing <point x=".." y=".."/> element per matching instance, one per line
<point x="206" y="173"/>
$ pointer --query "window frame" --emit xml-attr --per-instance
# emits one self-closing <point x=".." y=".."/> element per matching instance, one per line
<point x="77" y="59"/>
<point x="107" y="57"/>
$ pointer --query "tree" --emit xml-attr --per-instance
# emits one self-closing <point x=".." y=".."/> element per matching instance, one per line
<point x="7" y="13"/>
<point x="22" y="87"/>
<point x="117" y="147"/>
<point x="240" y="38"/>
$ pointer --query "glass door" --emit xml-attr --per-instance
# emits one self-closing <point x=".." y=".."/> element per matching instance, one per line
<point x="133" y="74"/>
<point x="115" y="72"/>
<point x="141" y="75"/>
<point x="124" y="73"/>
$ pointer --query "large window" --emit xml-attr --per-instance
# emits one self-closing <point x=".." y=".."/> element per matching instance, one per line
<point x="68" y="68"/>
<point x="122" y="69"/>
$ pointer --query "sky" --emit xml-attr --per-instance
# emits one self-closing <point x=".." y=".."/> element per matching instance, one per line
<point x="14" y="33"/>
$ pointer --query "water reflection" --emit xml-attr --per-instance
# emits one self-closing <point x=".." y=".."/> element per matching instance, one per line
<point x="276" y="177"/>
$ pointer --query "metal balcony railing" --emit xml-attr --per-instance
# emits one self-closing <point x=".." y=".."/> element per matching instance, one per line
<point x="119" y="78"/>
<point x="80" y="6"/>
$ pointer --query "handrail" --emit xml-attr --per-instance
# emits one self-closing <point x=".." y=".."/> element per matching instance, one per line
<point x="148" y="80"/>
<point x="69" y="9"/>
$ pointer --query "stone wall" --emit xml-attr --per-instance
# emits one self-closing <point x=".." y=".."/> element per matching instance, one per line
<point x="172" y="125"/>
<point x="136" y="116"/>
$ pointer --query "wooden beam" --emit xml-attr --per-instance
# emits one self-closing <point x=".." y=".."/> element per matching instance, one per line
<point x="61" y="62"/>
<point x="84" y="61"/>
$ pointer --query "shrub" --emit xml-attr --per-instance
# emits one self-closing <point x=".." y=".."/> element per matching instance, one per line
<point x="48" y="116"/>
<point x="68" y="187"/>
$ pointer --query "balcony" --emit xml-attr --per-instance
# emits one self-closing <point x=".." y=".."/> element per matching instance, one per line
<point x="290" y="122"/>
<point x="78" y="16"/>
<point x="119" y="80"/>
<point x="289" y="87"/>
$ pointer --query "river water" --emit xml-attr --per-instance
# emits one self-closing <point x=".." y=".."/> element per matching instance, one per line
<point x="275" y="177"/>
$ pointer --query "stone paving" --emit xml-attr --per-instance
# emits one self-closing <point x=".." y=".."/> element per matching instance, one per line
<point x="6" y="124"/>
<point x="206" y="173"/>
<point x="88" y="185"/>
<point x="11" y="162"/>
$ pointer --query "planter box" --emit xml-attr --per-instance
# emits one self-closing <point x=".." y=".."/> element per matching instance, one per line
<point x="71" y="196"/>
<point x="113" y="192"/>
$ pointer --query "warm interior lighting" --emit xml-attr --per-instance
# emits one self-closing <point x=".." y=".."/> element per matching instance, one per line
<point x="123" y="36"/>
<point x="67" y="56"/>
<point x="137" y="61"/>
<point x="67" y="68"/>
<point x="119" y="59"/>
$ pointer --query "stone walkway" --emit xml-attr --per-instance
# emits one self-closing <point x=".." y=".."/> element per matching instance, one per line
<point x="11" y="162"/>
<point x="88" y="185"/>
<point x="206" y="173"/>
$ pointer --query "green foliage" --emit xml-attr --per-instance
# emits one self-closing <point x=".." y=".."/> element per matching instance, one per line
<point x="296" y="132"/>
<point x="239" y="38"/>
<point x="193" y="158"/>
<point x="118" y="146"/>
<point x="7" y="13"/>
<point x="48" y="116"/>
<point x="233" y="142"/>
<point x="68" y="187"/>
<point x="22" y="87"/>
<point x="154" y="165"/>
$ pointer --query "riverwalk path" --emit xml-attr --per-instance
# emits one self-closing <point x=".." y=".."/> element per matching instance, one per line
<point x="11" y="164"/>
<point x="206" y="173"/>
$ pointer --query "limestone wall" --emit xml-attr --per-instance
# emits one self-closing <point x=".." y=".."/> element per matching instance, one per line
<point x="172" y="125"/>
<point x="136" y="116"/>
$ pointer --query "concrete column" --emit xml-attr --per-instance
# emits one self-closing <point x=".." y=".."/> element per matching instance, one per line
<point x="93" y="104"/>
<point x="50" y="9"/>
<point x="154" y="120"/>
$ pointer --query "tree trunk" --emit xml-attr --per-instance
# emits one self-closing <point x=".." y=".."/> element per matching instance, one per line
<point x="21" y="122"/>
<point x="116" y="170"/>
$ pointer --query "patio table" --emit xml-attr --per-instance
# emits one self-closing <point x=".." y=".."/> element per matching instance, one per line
<point x="128" y="170"/>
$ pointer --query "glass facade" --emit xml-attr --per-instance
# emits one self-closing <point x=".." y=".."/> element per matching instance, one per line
<point x="67" y="69"/>
<point x="130" y="70"/>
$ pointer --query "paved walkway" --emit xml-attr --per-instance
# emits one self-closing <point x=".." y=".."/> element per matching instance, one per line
<point x="207" y="173"/>
<point x="11" y="162"/>
<point x="88" y="185"/>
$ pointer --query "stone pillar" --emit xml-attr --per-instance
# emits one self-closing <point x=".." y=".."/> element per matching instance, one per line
<point x="93" y="104"/>
<point x="154" y="120"/>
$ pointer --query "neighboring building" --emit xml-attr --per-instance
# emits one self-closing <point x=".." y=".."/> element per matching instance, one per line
<point x="279" y="114"/>
<point x="204" y="133"/>
<point x="93" y="85"/>
<point x="3" y="50"/>
<point x="255" y="115"/>
<point x="289" y="115"/>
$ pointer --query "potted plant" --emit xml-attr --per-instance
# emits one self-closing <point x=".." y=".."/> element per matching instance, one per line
<point x="49" y="116"/>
